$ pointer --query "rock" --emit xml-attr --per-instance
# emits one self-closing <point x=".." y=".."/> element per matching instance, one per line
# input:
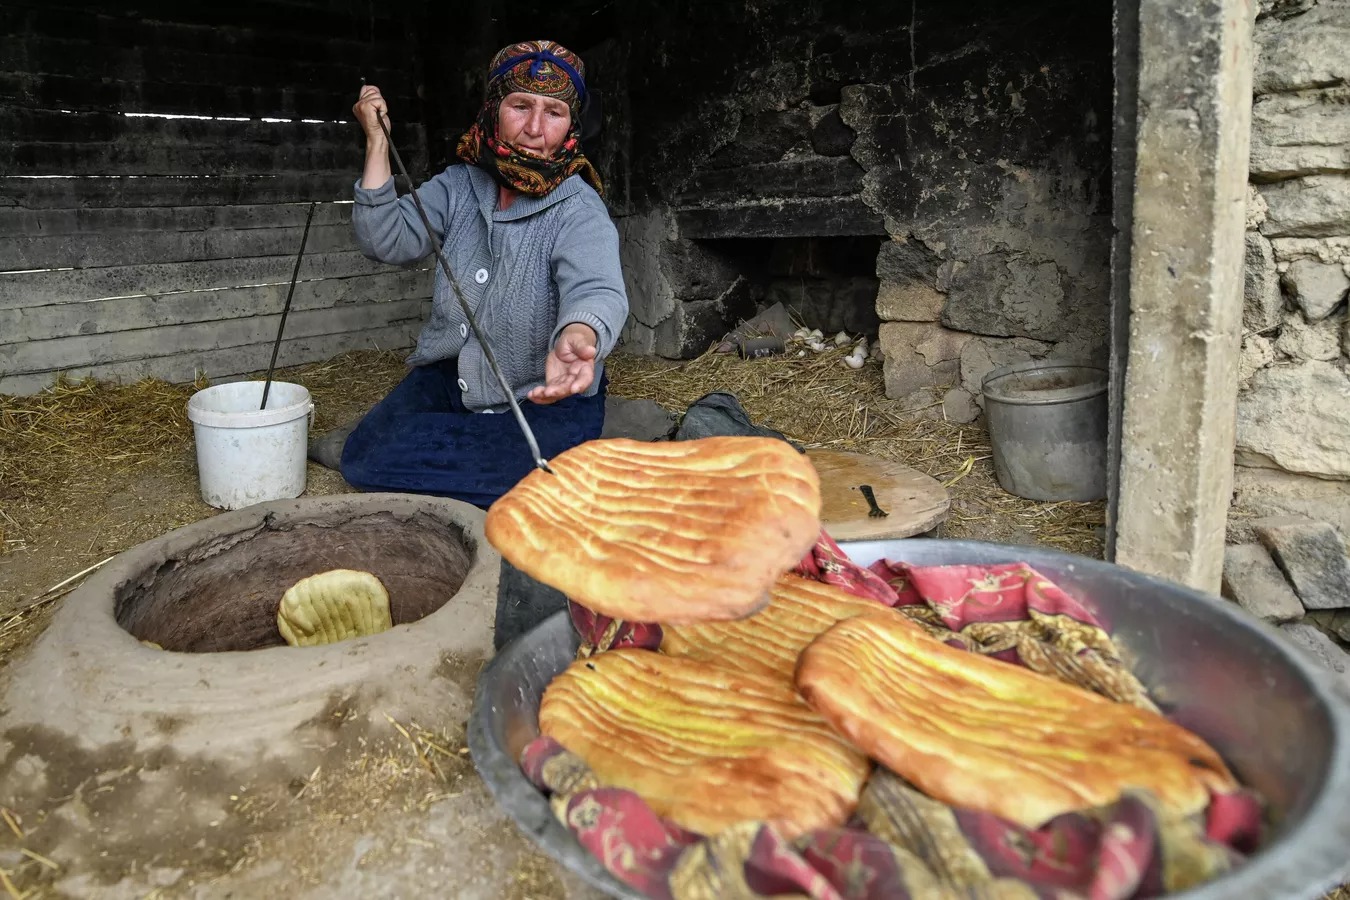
<point x="763" y="137"/>
<point x="694" y="271"/>
<point x="1319" y="648"/>
<point x="1262" y="301"/>
<point x="1312" y="556"/>
<point x="982" y="355"/>
<point x="1300" y="340"/>
<point x="1300" y="134"/>
<point x="1335" y="622"/>
<point x="1306" y="51"/>
<point x="830" y="136"/>
<point x="1284" y="9"/>
<point x="1296" y="417"/>
<point x="1251" y="578"/>
<point x="1316" y="287"/>
<point x="641" y="420"/>
<point x="1262" y="493"/>
<point x="918" y="356"/>
<point x="1330" y="250"/>
<point x="1257" y="353"/>
<point x="1006" y="295"/>
<point x="909" y="302"/>
<point x="959" y="406"/>
<point x="907" y="272"/>
<point x="651" y="301"/>
<point x="697" y="324"/>
<point x="1256" y="208"/>
<point x="1316" y="206"/>
<point x="774" y="321"/>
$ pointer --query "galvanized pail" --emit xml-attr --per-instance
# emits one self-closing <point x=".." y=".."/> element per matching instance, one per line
<point x="1047" y="428"/>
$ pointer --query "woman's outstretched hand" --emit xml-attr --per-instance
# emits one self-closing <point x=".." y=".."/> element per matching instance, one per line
<point x="570" y="366"/>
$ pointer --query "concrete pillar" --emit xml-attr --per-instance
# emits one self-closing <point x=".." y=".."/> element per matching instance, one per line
<point x="1185" y="287"/>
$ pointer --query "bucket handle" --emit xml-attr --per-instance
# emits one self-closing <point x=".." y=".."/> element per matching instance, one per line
<point x="311" y="415"/>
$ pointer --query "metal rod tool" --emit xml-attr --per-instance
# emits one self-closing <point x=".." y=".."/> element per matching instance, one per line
<point x="295" y="273"/>
<point x="463" y="304"/>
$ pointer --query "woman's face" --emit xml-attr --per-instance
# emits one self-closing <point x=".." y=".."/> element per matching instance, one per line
<point x="533" y="123"/>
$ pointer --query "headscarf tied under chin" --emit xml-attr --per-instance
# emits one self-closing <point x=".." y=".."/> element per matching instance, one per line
<point x="533" y="67"/>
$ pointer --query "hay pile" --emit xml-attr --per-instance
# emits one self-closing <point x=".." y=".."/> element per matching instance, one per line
<point x="62" y="450"/>
<point x="818" y="401"/>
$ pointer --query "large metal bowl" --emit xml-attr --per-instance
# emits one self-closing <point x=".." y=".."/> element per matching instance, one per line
<point x="1282" y="724"/>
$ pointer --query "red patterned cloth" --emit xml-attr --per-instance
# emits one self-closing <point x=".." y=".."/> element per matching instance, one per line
<point x="901" y="843"/>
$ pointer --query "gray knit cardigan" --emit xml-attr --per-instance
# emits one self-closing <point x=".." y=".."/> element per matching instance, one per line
<point x="526" y="273"/>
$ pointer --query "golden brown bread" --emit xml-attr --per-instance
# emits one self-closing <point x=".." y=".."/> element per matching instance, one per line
<point x="333" y="606"/>
<point x="705" y="746"/>
<point x="982" y="734"/>
<point x="673" y="532"/>
<point x="770" y="641"/>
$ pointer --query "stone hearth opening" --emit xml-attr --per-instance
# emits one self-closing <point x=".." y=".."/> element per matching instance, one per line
<point x="953" y="161"/>
<point x="217" y="599"/>
<point x="828" y="283"/>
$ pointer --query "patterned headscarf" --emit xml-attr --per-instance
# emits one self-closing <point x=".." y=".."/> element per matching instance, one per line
<point x="533" y="67"/>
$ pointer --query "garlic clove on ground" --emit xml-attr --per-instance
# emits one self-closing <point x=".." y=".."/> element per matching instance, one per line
<point x="854" y="362"/>
<point x="817" y="334"/>
<point x="841" y="339"/>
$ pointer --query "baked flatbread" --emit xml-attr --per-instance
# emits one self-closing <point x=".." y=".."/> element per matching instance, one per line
<point x="982" y="734"/>
<point x="675" y="532"/>
<point x="705" y="746"/>
<point x="333" y="606"/>
<point x="770" y="641"/>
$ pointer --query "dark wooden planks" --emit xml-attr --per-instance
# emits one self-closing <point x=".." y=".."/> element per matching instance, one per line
<point x="54" y="127"/>
<point x="225" y="362"/>
<point x="20" y="289"/>
<point x="205" y="189"/>
<point x="50" y="91"/>
<point x="357" y="20"/>
<point x="123" y="248"/>
<point x="41" y="55"/>
<point x="241" y="38"/>
<point x="48" y="142"/>
<point x="54" y="320"/>
<point x="57" y="354"/>
<point x="16" y="222"/>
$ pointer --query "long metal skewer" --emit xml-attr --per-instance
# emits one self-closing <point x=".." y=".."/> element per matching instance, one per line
<point x="463" y="304"/>
<point x="271" y="367"/>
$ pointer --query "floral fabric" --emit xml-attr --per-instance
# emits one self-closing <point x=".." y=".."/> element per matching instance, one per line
<point x="901" y="843"/>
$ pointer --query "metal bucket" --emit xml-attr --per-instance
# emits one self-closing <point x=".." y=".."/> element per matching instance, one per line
<point x="1282" y="724"/>
<point x="1047" y="427"/>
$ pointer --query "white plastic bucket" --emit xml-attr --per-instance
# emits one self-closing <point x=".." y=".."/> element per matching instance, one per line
<point x="247" y="455"/>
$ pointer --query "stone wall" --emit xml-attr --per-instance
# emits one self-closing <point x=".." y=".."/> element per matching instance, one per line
<point x="974" y="141"/>
<point x="1293" y="431"/>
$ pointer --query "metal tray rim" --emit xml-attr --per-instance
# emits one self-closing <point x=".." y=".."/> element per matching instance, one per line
<point x="1310" y="858"/>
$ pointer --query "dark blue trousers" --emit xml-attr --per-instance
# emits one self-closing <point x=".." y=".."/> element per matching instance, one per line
<point x="422" y="440"/>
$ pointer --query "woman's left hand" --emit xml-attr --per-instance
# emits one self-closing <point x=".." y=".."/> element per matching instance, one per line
<point x="570" y="366"/>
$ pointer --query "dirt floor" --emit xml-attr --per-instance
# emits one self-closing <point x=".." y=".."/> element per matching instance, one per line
<point x="87" y="471"/>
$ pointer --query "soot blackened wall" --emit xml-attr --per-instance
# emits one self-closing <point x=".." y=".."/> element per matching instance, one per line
<point x="974" y="138"/>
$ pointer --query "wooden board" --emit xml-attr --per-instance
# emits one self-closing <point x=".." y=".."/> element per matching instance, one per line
<point x="210" y="189"/>
<point x="221" y="363"/>
<point x="56" y="320"/>
<point x="914" y="502"/>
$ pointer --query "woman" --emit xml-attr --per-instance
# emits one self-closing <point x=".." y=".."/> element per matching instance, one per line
<point x="527" y="235"/>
